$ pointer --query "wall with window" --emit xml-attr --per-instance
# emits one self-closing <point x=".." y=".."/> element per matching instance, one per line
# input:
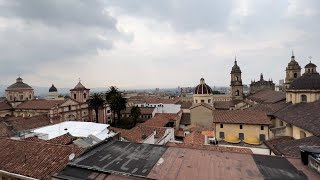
<point x="203" y="98"/>
<point x="299" y="133"/>
<point x="243" y="130"/>
<point x="301" y="96"/>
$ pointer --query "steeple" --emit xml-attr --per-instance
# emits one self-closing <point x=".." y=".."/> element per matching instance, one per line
<point x="261" y="77"/>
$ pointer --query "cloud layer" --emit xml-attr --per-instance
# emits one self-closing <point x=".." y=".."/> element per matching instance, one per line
<point x="151" y="43"/>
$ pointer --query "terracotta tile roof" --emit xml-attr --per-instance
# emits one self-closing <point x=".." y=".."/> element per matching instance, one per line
<point x="269" y="108"/>
<point x="194" y="138"/>
<point x="267" y="96"/>
<point x="21" y="124"/>
<point x="34" y="159"/>
<point x="144" y="110"/>
<point x="171" y="117"/>
<point x="136" y="134"/>
<point x="5" y="106"/>
<point x="157" y="121"/>
<point x="303" y="115"/>
<point x="63" y="140"/>
<point x="160" y="100"/>
<point x="4" y="130"/>
<point x="185" y="119"/>
<point x="210" y="147"/>
<point x="290" y="148"/>
<point x="240" y="117"/>
<point x="271" y="144"/>
<point x="202" y="104"/>
<point x="185" y="104"/>
<point x="40" y="104"/>
<point x="223" y="105"/>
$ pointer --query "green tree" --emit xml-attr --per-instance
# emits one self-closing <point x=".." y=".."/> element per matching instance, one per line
<point x="116" y="102"/>
<point x="135" y="114"/>
<point x="96" y="102"/>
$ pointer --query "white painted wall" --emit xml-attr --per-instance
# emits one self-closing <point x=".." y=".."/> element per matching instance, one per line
<point x="168" y="136"/>
<point x="162" y="108"/>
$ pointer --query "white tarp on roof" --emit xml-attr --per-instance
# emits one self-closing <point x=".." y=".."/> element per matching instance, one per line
<point x="76" y="129"/>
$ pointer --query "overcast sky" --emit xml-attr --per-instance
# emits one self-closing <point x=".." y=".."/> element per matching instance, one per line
<point x="153" y="43"/>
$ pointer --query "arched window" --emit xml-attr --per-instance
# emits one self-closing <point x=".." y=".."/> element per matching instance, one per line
<point x="202" y="100"/>
<point x="302" y="134"/>
<point x="74" y="96"/>
<point x="295" y="75"/>
<point x="237" y="92"/>
<point x="303" y="98"/>
<point x="84" y="95"/>
<point x="196" y="101"/>
<point x="237" y="78"/>
<point x="209" y="100"/>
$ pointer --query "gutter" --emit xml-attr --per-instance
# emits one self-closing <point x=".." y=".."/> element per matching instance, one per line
<point x="16" y="175"/>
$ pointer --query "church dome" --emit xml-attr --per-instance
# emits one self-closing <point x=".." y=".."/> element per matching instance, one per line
<point x="310" y="65"/>
<point x="252" y="140"/>
<point x="202" y="88"/>
<point x="19" y="85"/>
<point x="306" y="82"/>
<point x="53" y="89"/>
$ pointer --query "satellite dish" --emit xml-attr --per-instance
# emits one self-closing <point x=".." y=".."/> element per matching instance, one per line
<point x="71" y="156"/>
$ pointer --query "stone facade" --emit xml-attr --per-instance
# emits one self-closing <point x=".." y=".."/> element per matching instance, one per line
<point x="261" y="84"/>
<point x="236" y="82"/>
<point x="19" y="92"/>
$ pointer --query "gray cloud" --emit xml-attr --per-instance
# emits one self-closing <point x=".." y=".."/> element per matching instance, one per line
<point x="36" y="32"/>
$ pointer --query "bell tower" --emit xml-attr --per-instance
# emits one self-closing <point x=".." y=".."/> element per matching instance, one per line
<point x="236" y="82"/>
<point x="293" y="71"/>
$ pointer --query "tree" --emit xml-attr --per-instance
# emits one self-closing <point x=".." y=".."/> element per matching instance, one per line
<point x="96" y="102"/>
<point x="135" y="114"/>
<point x="116" y="102"/>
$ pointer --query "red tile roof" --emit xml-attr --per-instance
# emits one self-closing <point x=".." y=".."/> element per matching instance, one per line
<point x="210" y="147"/>
<point x="171" y="117"/>
<point x="34" y="159"/>
<point x="5" y="106"/>
<point x="268" y="96"/>
<point x="269" y="108"/>
<point x="40" y="104"/>
<point x="21" y="124"/>
<point x="63" y="139"/>
<point x="240" y="117"/>
<point x="160" y="100"/>
<point x="144" y="110"/>
<point x="4" y="130"/>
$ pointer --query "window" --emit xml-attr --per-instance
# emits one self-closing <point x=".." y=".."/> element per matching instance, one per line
<point x="108" y="111"/>
<point x="241" y="136"/>
<point x="196" y="101"/>
<point x="262" y="137"/>
<point x="29" y="96"/>
<point x="221" y="125"/>
<point x="202" y="101"/>
<point x="237" y="78"/>
<point x="221" y="134"/>
<point x="11" y="98"/>
<point x="281" y="123"/>
<point x="237" y="92"/>
<point x="109" y="117"/>
<point x="209" y="100"/>
<point x="74" y="96"/>
<point x="303" y="98"/>
<point x="240" y="126"/>
<point x="295" y="75"/>
<point x="262" y="127"/>
<point x="84" y="95"/>
<point x="69" y="107"/>
<point x="21" y="97"/>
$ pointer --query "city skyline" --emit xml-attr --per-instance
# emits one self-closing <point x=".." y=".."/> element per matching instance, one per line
<point x="155" y="44"/>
